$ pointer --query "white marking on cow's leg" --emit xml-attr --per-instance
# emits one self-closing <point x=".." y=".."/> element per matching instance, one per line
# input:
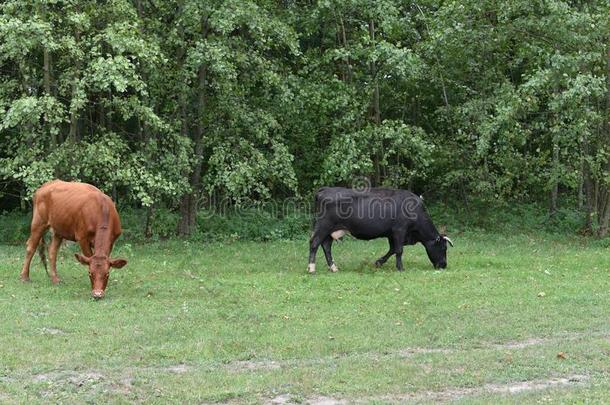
<point x="334" y="268"/>
<point x="338" y="234"/>
<point x="311" y="268"/>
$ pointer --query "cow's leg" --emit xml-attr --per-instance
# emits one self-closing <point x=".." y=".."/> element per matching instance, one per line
<point x="398" y="243"/>
<point x="314" y="243"/>
<point x="53" y="248"/>
<point x="326" y="246"/>
<point x="85" y="247"/>
<point x="38" y="229"/>
<point x="380" y="262"/>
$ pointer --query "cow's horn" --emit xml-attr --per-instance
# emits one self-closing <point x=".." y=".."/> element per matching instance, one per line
<point x="448" y="240"/>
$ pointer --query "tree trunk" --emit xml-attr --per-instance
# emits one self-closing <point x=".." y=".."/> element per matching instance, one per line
<point x="101" y="115"/>
<point x="47" y="71"/>
<point x="150" y="213"/>
<point x="188" y="202"/>
<point x="588" y="186"/>
<point x="344" y="40"/>
<point x="555" y="179"/>
<point x="373" y="68"/>
<point x="604" y="212"/>
<point x="581" y="183"/>
<point x="46" y="67"/>
<point x="375" y="110"/>
<point x="73" y="134"/>
<point x="22" y="197"/>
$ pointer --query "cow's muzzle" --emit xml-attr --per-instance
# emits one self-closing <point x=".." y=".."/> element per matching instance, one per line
<point x="97" y="294"/>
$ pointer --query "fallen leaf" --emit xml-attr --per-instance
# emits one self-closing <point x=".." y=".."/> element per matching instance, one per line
<point x="561" y="355"/>
<point x="541" y="294"/>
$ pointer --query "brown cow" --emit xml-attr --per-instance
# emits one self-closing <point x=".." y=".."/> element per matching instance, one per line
<point x="81" y="213"/>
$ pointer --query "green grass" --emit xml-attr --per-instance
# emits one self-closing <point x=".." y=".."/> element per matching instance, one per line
<point x="243" y="322"/>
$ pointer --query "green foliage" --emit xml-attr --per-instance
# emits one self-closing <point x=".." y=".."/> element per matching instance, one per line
<point x="252" y="224"/>
<point x="266" y="224"/>
<point x="506" y="219"/>
<point x="248" y="224"/>
<point x="403" y="152"/>
<point x="164" y="223"/>
<point x="252" y="101"/>
<point x="14" y="227"/>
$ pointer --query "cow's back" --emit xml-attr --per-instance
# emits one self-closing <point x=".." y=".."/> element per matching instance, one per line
<point x="72" y="208"/>
<point x="330" y="197"/>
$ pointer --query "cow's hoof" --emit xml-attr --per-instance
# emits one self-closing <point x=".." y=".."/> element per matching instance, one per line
<point x="378" y="263"/>
<point x="55" y="280"/>
<point x="311" y="269"/>
<point x="25" y="279"/>
<point x="334" y="268"/>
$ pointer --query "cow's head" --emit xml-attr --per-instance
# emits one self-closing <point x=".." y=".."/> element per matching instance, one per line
<point x="437" y="251"/>
<point x="99" y="271"/>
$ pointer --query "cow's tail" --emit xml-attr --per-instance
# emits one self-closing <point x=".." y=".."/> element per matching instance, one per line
<point x="315" y="211"/>
<point x="42" y="247"/>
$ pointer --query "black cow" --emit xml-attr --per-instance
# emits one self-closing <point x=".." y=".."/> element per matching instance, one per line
<point x="398" y="215"/>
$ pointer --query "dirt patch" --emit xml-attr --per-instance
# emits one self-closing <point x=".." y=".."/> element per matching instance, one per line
<point x="6" y="379"/>
<point x="521" y="344"/>
<point x="321" y="400"/>
<point x="72" y="377"/>
<point x="286" y="399"/>
<point x="52" y="331"/>
<point x="534" y="341"/>
<point x="251" y="365"/>
<point x="515" y="388"/>
<point x="55" y="382"/>
<point x="265" y="365"/>
<point x="279" y="400"/>
<point x="453" y="394"/>
<point x="446" y="395"/>
<point x="176" y="369"/>
<point x="411" y="351"/>
<point x="80" y="379"/>
<point x="124" y="385"/>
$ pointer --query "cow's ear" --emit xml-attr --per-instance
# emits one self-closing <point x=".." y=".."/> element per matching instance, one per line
<point x="82" y="259"/>
<point x="118" y="263"/>
<point x="438" y="239"/>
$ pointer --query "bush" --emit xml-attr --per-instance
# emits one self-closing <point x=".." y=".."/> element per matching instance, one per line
<point x="258" y="225"/>
<point x="264" y="225"/>
<point x="507" y="218"/>
<point x="251" y="224"/>
<point x="14" y="227"/>
<point x="164" y="223"/>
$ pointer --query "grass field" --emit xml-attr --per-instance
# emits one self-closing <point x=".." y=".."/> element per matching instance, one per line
<point x="518" y="318"/>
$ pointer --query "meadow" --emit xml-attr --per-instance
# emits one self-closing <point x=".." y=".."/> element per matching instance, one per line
<point x="521" y="317"/>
